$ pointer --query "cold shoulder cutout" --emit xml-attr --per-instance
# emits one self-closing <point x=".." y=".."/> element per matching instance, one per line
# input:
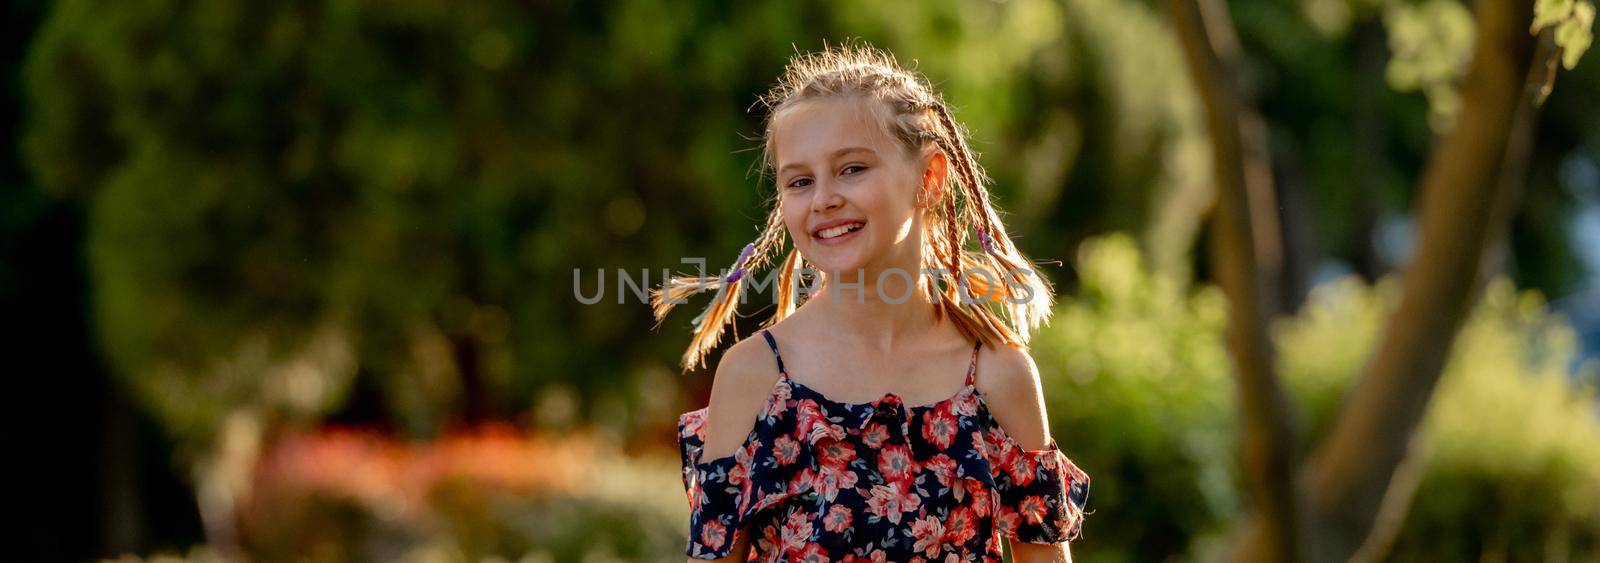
<point x="880" y="480"/>
<point x="742" y="385"/>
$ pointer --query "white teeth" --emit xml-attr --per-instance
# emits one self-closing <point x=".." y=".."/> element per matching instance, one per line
<point x="839" y="230"/>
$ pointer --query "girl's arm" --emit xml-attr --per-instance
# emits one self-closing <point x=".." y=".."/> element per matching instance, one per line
<point x="745" y="376"/>
<point x="1011" y="385"/>
<point x="1024" y="552"/>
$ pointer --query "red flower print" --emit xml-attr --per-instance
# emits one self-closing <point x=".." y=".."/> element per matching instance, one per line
<point x="785" y="449"/>
<point x="807" y="410"/>
<point x="877" y="556"/>
<point x="875" y="435"/>
<point x="1062" y="522"/>
<point x="1021" y="468"/>
<point x="1032" y="509"/>
<point x="942" y="467"/>
<point x="895" y="462"/>
<point x="1006" y="521"/>
<point x="810" y="424"/>
<point x="747" y="494"/>
<point x="960" y="526"/>
<point x="814" y="554"/>
<point x="779" y="401"/>
<point x="967" y="405"/>
<point x="741" y="463"/>
<point x="929" y="534"/>
<point x="1048" y="460"/>
<point x="770" y="540"/>
<point x="890" y="500"/>
<point x="837" y="454"/>
<point x="982" y="498"/>
<point x="838" y="519"/>
<point x="796" y="531"/>
<point x="999" y="443"/>
<point x="803" y="479"/>
<point x="693" y="425"/>
<point x="983" y="446"/>
<point x="939" y="428"/>
<point x="833" y="479"/>
<point x="713" y="534"/>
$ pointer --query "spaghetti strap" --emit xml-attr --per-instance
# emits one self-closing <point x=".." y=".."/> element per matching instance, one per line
<point x="972" y="370"/>
<point x="773" y="343"/>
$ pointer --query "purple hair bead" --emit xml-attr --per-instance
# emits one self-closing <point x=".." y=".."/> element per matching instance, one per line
<point x="738" y="265"/>
<point x="983" y="239"/>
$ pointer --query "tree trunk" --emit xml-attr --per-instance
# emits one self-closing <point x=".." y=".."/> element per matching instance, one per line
<point x="1245" y="248"/>
<point x="1512" y="176"/>
<point x="1350" y="475"/>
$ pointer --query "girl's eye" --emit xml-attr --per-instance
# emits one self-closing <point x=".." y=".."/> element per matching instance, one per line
<point x="803" y="182"/>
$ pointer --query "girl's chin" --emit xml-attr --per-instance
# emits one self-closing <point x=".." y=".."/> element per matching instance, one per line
<point x="846" y="260"/>
<point x="828" y="266"/>
<point x="850" y="260"/>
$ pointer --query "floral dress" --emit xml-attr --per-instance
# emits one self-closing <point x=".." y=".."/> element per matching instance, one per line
<point x="820" y="480"/>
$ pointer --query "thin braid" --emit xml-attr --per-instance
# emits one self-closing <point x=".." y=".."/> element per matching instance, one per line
<point x="952" y="218"/>
<point x="971" y="175"/>
<point x="972" y="186"/>
<point x="1001" y="253"/>
<point x="975" y="322"/>
<point x="709" y="325"/>
<point x="772" y="237"/>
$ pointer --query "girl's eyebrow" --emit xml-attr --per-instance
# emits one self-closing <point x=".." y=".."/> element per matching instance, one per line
<point x="836" y="154"/>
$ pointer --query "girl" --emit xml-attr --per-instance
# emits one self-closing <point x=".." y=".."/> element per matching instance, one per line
<point x="903" y="419"/>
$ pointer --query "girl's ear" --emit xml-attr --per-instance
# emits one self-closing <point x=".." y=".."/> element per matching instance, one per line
<point x="933" y="179"/>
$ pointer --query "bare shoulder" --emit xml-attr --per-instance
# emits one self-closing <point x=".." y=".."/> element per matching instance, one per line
<point x="1009" y="381"/>
<point x="744" y="379"/>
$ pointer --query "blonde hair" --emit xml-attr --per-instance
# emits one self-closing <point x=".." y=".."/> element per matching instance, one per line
<point x="918" y="118"/>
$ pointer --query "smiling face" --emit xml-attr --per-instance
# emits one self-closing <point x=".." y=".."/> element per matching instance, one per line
<point x="848" y="190"/>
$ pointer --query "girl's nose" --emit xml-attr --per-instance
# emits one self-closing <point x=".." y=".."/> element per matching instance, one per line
<point x="826" y="197"/>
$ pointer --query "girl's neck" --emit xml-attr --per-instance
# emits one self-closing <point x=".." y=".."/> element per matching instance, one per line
<point x="880" y="310"/>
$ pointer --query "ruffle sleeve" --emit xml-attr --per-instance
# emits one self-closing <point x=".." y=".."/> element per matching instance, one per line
<point x="726" y="492"/>
<point x="1041" y="493"/>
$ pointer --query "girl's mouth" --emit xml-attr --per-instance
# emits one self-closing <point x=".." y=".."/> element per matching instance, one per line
<point x="838" y="233"/>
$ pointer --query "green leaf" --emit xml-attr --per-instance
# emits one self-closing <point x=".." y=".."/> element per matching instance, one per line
<point x="1550" y="12"/>
<point x="1576" y="34"/>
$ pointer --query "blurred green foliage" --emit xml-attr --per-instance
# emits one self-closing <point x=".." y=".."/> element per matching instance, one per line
<point x="1511" y="443"/>
<point x="1432" y="45"/>
<point x="1574" y="26"/>
<point x="1139" y="394"/>
<point x="378" y="209"/>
